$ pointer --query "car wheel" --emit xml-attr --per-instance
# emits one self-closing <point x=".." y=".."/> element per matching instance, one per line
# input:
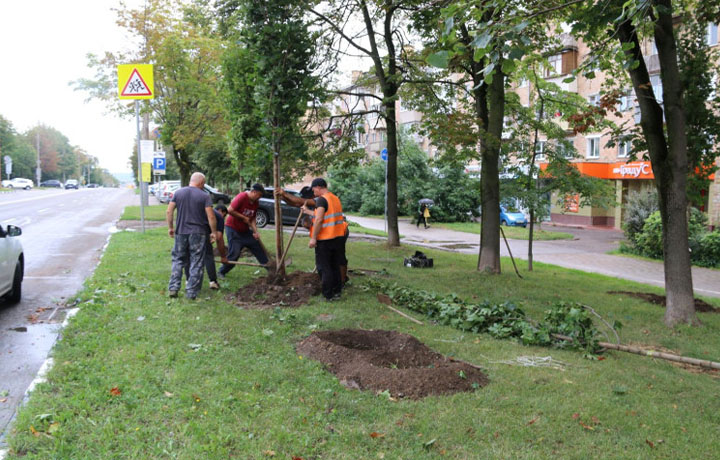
<point x="220" y="201"/>
<point x="27" y="188"/>
<point x="503" y="222"/>
<point x="261" y="218"/>
<point x="10" y="186"/>
<point x="16" y="293"/>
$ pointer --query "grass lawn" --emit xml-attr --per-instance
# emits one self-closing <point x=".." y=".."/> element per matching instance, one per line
<point x="141" y="376"/>
<point x="154" y="212"/>
<point x="516" y="233"/>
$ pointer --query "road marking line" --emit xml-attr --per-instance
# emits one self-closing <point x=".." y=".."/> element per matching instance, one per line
<point x="43" y="210"/>
<point x="48" y="277"/>
<point x="42" y="197"/>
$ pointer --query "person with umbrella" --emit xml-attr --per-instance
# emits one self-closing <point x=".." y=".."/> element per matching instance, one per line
<point x="424" y="211"/>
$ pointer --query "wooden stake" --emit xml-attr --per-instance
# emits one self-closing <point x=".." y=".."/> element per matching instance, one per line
<point x="387" y="301"/>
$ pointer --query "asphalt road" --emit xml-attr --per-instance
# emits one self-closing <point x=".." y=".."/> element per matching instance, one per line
<point x="63" y="234"/>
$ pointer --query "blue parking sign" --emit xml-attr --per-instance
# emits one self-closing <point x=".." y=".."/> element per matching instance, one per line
<point x="384" y="155"/>
<point x="159" y="164"/>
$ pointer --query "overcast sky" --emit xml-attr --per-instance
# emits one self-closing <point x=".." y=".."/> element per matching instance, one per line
<point x="43" y="47"/>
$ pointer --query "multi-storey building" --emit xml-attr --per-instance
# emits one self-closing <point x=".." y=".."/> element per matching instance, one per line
<point x="596" y="156"/>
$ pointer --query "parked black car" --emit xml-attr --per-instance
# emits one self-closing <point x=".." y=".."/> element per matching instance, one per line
<point x="266" y="209"/>
<point x="217" y="196"/>
<point x="51" y="183"/>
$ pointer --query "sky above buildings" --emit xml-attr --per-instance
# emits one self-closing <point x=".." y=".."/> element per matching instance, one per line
<point x="43" y="47"/>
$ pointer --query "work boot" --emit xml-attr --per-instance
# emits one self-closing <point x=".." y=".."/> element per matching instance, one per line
<point x="214" y="285"/>
<point x="173" y="294"/>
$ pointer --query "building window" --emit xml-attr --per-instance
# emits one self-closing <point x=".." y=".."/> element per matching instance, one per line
<point x="566" y="148"/>
<point x="540" y="151"/>
<point x="657" y="87"/>
<point x="594" y="99"/>
<point x="712" y="34"/>
<point x="593" y="147"/>
<point x="554" y="66"/>
<point x="627" y="100"/>
<point x="624" y="149"/>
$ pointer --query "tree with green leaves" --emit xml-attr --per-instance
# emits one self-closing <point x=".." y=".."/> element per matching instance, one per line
<point x="16" y="146"/>
<point x="616" y="29"/>
<point x="179" y="38"/>
<point x="483" y="42"/>
<point x="374" y="30"/>
<point x="277" y="83"/>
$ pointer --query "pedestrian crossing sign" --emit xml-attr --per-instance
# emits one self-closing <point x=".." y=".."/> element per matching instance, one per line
<point x="135" y="81"/>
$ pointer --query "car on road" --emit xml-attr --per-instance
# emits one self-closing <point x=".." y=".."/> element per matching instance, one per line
<point x="167" y="191"/>
<point x="217" y="196"/>
<point x="18" y="182"/>
<point x="52" y="183"/>
<point x="512" y="218"/>
<point x="12" y="263"/>
<point x="72" y="183"/>
<point x="265" y="213"/>
<point x="92" y="186"/>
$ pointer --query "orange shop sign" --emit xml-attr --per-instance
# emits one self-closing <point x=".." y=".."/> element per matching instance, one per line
<point x="618" y="170"/>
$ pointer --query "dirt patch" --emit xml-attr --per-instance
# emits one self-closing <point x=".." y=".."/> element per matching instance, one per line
<point x="388" y="360"/>
<point x="700" y="305"/>
<point x="268" y="292"/>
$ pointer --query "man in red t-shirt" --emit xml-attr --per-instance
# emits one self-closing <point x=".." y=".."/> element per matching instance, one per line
<point x="240" y="228"/>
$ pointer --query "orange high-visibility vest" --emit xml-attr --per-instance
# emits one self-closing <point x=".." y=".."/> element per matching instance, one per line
<point x="333" y="224"/>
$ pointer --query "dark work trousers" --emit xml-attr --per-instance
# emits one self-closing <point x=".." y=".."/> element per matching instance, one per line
<point x="188" y="254"/>
<point x="328" y="258"/>
<point x="209" y="263"/>
<point x="236" y="242"/>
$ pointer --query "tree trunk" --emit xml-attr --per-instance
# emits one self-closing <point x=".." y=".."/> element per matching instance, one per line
<point x="278" y="209"/>
<point x="491" y="111"/>
<point x="184" y="166"/>
<point x="392" y="185"/>
<point x="668" y="158"/>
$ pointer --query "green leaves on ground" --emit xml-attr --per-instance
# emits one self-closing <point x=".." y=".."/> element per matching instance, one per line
<point x="501" y="321"/>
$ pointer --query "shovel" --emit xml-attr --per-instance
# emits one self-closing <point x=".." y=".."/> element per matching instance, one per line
<point x="287" y="248"/>
<point x="270" y="263"/>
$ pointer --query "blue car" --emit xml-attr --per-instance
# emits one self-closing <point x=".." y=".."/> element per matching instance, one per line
<point x="512" y="218"/>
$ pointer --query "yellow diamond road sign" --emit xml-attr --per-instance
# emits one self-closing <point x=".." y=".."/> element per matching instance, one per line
<point x="135" y="81"/>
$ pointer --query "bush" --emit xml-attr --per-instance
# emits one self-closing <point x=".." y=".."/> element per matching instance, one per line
<point x="709" y="253"/>
<point x="649" y="241"/>
<point x="362" y="188"/>
<point x="640" y="205"/>
<point x="704" y="246"/>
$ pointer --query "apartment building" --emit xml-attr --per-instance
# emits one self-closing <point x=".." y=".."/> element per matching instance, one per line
<point x="595" y="157"/>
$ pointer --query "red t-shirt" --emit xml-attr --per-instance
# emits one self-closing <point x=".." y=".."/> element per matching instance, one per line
<point x="242" y="204"/>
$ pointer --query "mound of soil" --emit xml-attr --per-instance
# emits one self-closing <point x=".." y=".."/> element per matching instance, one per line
<point x="388" y="360"/>
<point x="700" y="305"/>
<point x="269" y="291"/>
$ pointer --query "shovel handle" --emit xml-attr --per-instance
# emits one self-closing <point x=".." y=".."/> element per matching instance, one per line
<point x="287" y="248"/>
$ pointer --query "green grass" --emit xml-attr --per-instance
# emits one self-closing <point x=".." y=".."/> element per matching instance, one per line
<point x="244" y="393"/>
<point x="619" y="252"/>
<point x="516" y="233"/>
<point x="154" y="212"/>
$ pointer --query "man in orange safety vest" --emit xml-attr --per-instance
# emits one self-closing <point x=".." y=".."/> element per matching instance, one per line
<point x="328" y="238"/>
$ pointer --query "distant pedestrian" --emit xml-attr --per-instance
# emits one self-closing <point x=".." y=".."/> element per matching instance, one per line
<point x="196" y="223"/>
<point x="328" y="238"/>
<point x="423" y="214"/>
<point x="241" y="229"/>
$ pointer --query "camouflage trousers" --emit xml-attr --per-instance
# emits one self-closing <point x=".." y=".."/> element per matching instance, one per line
<point x="188" y="254"/>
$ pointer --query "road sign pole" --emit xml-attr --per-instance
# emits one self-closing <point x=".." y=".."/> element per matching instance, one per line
<point x="139" y="164"/>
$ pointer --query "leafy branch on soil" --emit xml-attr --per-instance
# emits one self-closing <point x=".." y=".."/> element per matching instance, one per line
<point x="501" y="321"/>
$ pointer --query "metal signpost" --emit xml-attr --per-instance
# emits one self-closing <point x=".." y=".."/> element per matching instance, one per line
<point x="8" y="166"/>
<point x="135" y="81"/>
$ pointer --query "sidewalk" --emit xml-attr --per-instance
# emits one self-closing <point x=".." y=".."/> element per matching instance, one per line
<point x="587" y="252"/>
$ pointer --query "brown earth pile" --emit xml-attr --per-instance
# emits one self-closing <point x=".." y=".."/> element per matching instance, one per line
<point x="270" y="291"/>
<point x="388" y="360"/>
<point x="700" y="305"/>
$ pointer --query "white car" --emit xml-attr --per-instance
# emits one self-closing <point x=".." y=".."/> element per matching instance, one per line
<point x="12" y="263"/>
<point x="18" y="182"/>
